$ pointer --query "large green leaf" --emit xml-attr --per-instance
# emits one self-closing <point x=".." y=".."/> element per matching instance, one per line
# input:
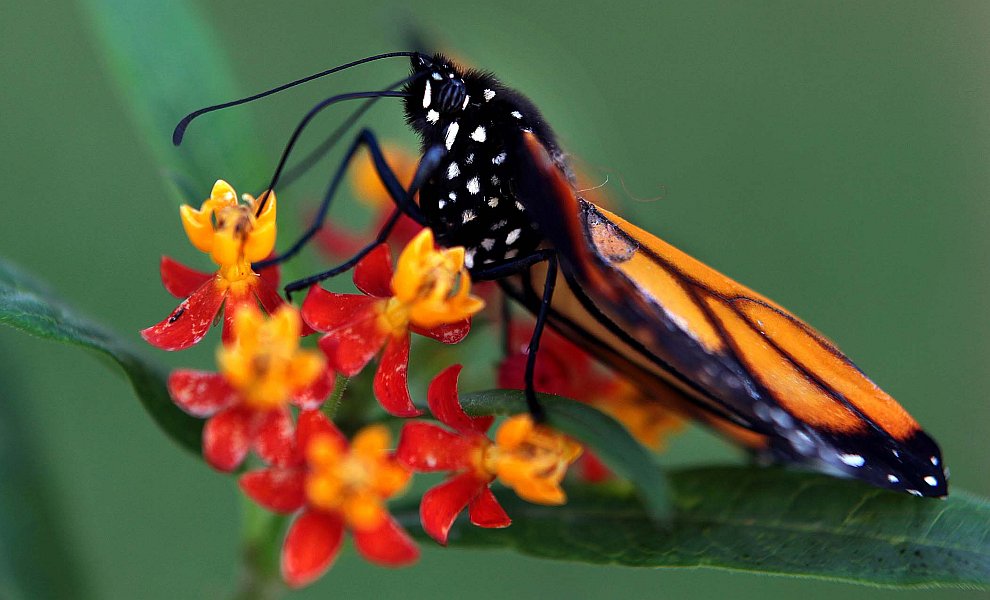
<point x="753" y="519"/>
<point x="168" y="62"/>
<point x="30" y="306"/>
<point x="610" y="441"/>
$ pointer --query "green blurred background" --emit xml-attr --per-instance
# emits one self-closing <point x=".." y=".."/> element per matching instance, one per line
<point x="833" y="155"/>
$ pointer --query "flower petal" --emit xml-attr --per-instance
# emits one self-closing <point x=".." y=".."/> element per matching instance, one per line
<point x="447" y="333"/>
<point x="227" y="438"/>
<point x="426" y="447"/>
<point x="312" y="423"/>
<point x="278" y="490"/>
<point x="180" y="280"/>
<point x="189" y="322"/>
<point x="326" y="311"/>
<point x="485" y="511"/>
<point x="271" y="274"/>
<point x="275" y="439"/>
<point x="310" y="547"/>
<point x="445" y="406"/>
<point x="391" y="379"/>
<point x="200" y="393"/>
<point x="373" y="275"/>
<point x="442" y="504"/>
<point x="267" y="295"/>
<point x="388" y="544"/>
<point x="314" y="395"/>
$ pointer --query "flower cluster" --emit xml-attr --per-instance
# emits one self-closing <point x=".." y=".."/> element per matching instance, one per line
<point x="269" y="393"/>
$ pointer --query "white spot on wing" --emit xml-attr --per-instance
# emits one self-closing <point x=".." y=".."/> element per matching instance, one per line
<point x="511" y="253"/>
<point x="853" y="460"/>
<point x="517" y="114"/>
<point x="469" y="257"/>
<point x="467" y="216"/>
<point x="426" y="95"/>
<point x="489" y="94"/>
<point x="931" y="481"/>
<point x="436" y="76"/>
<point x="513" y="236"/>
<point x="488" y="243"/>
<point x="453" y="170"/>
<point x="479" y="134"/>
<point x="934" y="460"/>
<point x="499" y="159"/>
<point x="432" y="116"/>
<point x="493" y="202"/>
<point x="893" y="478"/>
<point x="452" y="134"/>
<point x="466" y="100"/>
<point x="473" y="185"/>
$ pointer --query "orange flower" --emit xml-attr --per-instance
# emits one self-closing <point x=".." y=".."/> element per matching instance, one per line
<point x="336" y="487"/>
<point x="429" y="293"/>
<point x="261" y="373"/>
<point x="234" y="237"/>
<point x="531" y="459"/>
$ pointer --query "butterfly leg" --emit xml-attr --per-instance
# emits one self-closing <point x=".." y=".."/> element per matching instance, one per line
<point x="521" y="266"/>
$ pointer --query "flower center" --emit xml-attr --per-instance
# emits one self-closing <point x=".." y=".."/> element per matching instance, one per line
<point x="532" y="459"/>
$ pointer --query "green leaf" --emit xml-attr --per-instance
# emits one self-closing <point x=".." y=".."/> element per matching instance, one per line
<point x="30" y="306"/>
<point x="761" y="520"/>
<point x="168" y="62"/>
<point x="611" y="442"/>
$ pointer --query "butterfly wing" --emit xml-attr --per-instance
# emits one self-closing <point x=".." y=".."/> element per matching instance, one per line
<point x="713" y="349"/>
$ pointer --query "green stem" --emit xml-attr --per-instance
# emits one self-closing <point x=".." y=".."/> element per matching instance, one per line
<point x="261" y="537"/>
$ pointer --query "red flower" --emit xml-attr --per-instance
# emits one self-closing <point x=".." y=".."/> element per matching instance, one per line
<point x="429" y="293"/>
<point x="335" y="486"/>
<point x="532" y="459"/>
<point x="234" y="237"/>
<point x="262" y="372"/>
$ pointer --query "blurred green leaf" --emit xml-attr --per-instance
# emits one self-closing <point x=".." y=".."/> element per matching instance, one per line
<point x="168" y="62"/>
<point x="600" y="432"/>
<point x="30" y="306"/>
<point x="754" y="519"/>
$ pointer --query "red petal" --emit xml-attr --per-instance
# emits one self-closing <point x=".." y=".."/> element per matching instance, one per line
<point x="445" y="406"/>
<point x="267" y="295"/>
<point x="485" y="511"/>
<point x="373" y="275"/>
<point x="387" y="545"/>
<point x="448" y="333"/>
<point x="403" y="232"/>
<point x="229" y="310"/>
<point x="278" y="490"/>
<point x="350" y="348"/>
<point x="327" y="311"/>
<point x="442" y="504"/>
<point x="275" y="439"/>
<point x="227" y="438"/>
<point x="271" y="274"/>
<point x="593" y="470"/>
<point x="316" y="393"/>
<point x="314" y="422"/>
<point x="200" y="393"/>
<point x="310" y="547"/>
<point x="189" y="322"/>
<point x="178" y="279"/>
<point x="427" y="447"/>
<point x="391" y="383"/>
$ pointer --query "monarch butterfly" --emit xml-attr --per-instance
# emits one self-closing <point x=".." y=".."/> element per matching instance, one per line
<point x="493" y="179"/>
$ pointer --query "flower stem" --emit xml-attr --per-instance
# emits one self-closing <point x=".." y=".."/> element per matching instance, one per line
<point x="260" y="536"/>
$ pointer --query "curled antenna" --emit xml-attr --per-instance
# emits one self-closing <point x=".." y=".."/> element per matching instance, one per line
<point x="388" y="92"/>
<point x="180" y="129"/>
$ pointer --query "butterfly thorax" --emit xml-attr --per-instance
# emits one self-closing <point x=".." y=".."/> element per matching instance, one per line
<point x="469" y="200"/>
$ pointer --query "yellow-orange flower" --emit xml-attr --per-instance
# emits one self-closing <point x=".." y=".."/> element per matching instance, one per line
<point x="265" y="363"/>
<point x="354" y="482"/>
<point x="531" y="459"/>
<point x="234" y="237"/>
<point x="647" y="420"/>
<point x="429" y="293"/>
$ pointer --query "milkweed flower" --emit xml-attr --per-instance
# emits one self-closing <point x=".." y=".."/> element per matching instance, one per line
<point x="261" y="372"/>
<point x="339" y="242"/>
<point x="529" y="458"/>
<point x="334" y="486"/>
<point x="564" y="369"/>
<point x="234" y="237"/>
<point x="429" y="293"/>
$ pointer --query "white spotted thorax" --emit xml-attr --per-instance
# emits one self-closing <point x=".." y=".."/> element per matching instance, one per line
<point x="469" y="200"/>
